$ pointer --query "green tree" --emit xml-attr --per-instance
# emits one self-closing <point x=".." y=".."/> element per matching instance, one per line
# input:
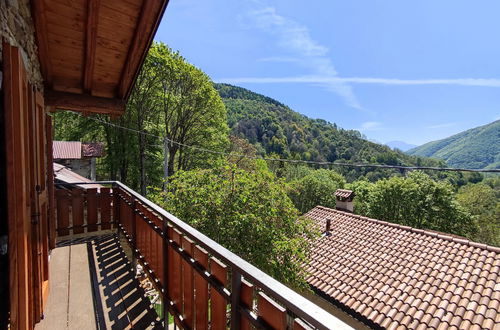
<point x="192" y="111"/>
<point x="316" y="188"/>
<point x="481" y="201"/>
<point x="417" y="201"/>
<point x="171" y="99"/>
<point x="248" y="212"/>
<point x="362" y="189"/>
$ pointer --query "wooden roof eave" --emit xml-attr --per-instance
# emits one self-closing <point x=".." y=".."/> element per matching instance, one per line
<point x="86" y="95"/>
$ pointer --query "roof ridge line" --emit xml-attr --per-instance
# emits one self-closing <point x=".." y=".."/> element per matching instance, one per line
<point x="444" y="236"/>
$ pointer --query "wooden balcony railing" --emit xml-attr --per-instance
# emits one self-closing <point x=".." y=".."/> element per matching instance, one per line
<point x="203" y="284"/>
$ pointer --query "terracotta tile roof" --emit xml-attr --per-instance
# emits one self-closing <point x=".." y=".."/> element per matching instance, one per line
<point x="93" y="149"/>
<point x="67" y="149"/>
<point x="344" y="193"/>
<point x="390" y="276"/>
<point x="64" y="174"/>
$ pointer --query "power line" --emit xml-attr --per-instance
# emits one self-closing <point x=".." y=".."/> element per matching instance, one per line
<point x="298" y="161"/>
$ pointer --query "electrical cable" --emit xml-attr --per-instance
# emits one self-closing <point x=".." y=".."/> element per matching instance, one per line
<point x="299" y="161"/>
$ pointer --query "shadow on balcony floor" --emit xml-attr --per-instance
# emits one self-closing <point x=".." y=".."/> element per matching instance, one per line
<point x="92" y="286"/>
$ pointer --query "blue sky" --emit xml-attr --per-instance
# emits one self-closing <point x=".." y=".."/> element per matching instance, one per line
<point x="414" y="71"/>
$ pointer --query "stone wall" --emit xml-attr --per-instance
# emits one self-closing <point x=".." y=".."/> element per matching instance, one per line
<point x="16" y="26"/>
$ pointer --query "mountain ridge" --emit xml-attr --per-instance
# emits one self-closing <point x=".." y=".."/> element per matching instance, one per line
<point x="401" y="145"/>
<point x="478" y="147"/>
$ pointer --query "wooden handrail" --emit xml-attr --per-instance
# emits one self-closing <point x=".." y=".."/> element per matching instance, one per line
<point x="296" y="306"/>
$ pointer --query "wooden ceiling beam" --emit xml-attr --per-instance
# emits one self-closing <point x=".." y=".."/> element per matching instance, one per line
<point x="90" y="43"/>
<point x="38" y="13"/>
<point x="151" y="13"/>
<point x="83" y="103"/>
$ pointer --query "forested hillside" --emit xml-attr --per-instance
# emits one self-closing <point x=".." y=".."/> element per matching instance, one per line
<point x="475" y="148"/>
<point x="175" y="116"/>
<point x="274" y="128"/>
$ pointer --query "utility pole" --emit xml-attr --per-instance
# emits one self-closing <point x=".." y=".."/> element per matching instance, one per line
<point x="165" y="163"/>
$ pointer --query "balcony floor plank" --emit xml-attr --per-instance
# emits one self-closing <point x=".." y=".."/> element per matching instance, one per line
<point x="81" y="308"/>
<point x="92" y="285"/>
<point x="56" y="311"/>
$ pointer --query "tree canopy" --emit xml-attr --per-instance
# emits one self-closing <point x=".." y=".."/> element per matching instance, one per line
<point x="171" y="99"/>
<point x="416" y="201"/>
<point x="482" y="202"/>
<point x="316" y="188"/>
<point x="247" y="211"/>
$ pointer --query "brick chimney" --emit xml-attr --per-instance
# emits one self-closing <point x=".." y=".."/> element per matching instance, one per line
<point x="344" y="200"/>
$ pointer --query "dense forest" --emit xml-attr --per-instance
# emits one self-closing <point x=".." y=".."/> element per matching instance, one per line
<point x="196" y="148"/>
<point x="275" y="129"/>
<point x="478" y="147"/>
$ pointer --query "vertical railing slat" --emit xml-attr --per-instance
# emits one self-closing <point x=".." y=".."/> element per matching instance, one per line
<point x="139" y="231"/>
<point x="132" y="221"/>
<point x="246" y="298"/>
<point x="165" y="271"/>
<point x="91" y="209"/>
<point x="201" y="290"/>
<point x="188" y="287"/>
<point x="105" y="208"/>
<point x="116" y="206"/>
<point x="77" y="210"/>
<point x="159" y="257"/>
<point x="218" y="305"/>
<point x="62" y="202"/>
<point x="176" y="274"/>
<point x="125" y="217"/>
<point x="153" y="246"/>
<point x="272" y="313"/>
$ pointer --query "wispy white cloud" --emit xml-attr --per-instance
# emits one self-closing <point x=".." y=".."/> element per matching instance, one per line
<point x="370" y="126"/>
<point x="478" y="82"/>
<point x="283" y="59"/>
<point x="296" y="39"/>
<point x="443" y="125"/>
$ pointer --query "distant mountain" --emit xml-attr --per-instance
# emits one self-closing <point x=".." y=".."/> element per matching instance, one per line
<point x="274" y="128"/>
<point x="401" y="145"/>
<point x="475" y="148"/>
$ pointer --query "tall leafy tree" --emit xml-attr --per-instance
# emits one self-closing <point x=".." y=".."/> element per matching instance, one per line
<point x="192" y="110"/>
<point x="416" y="201"/>
<point x="171" y="99"/>
<point x="482" y="202"/>
<point x="248" y="212"/>
<point x="316" y="188"/>
<point x="144" y="106"/>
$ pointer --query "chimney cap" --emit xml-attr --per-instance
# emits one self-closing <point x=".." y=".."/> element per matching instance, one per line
<point x="344" y="194"/>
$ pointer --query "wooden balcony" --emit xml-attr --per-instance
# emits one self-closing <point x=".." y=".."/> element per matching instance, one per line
<point x="201" y="284"/>
<point x="93" y="286"/>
